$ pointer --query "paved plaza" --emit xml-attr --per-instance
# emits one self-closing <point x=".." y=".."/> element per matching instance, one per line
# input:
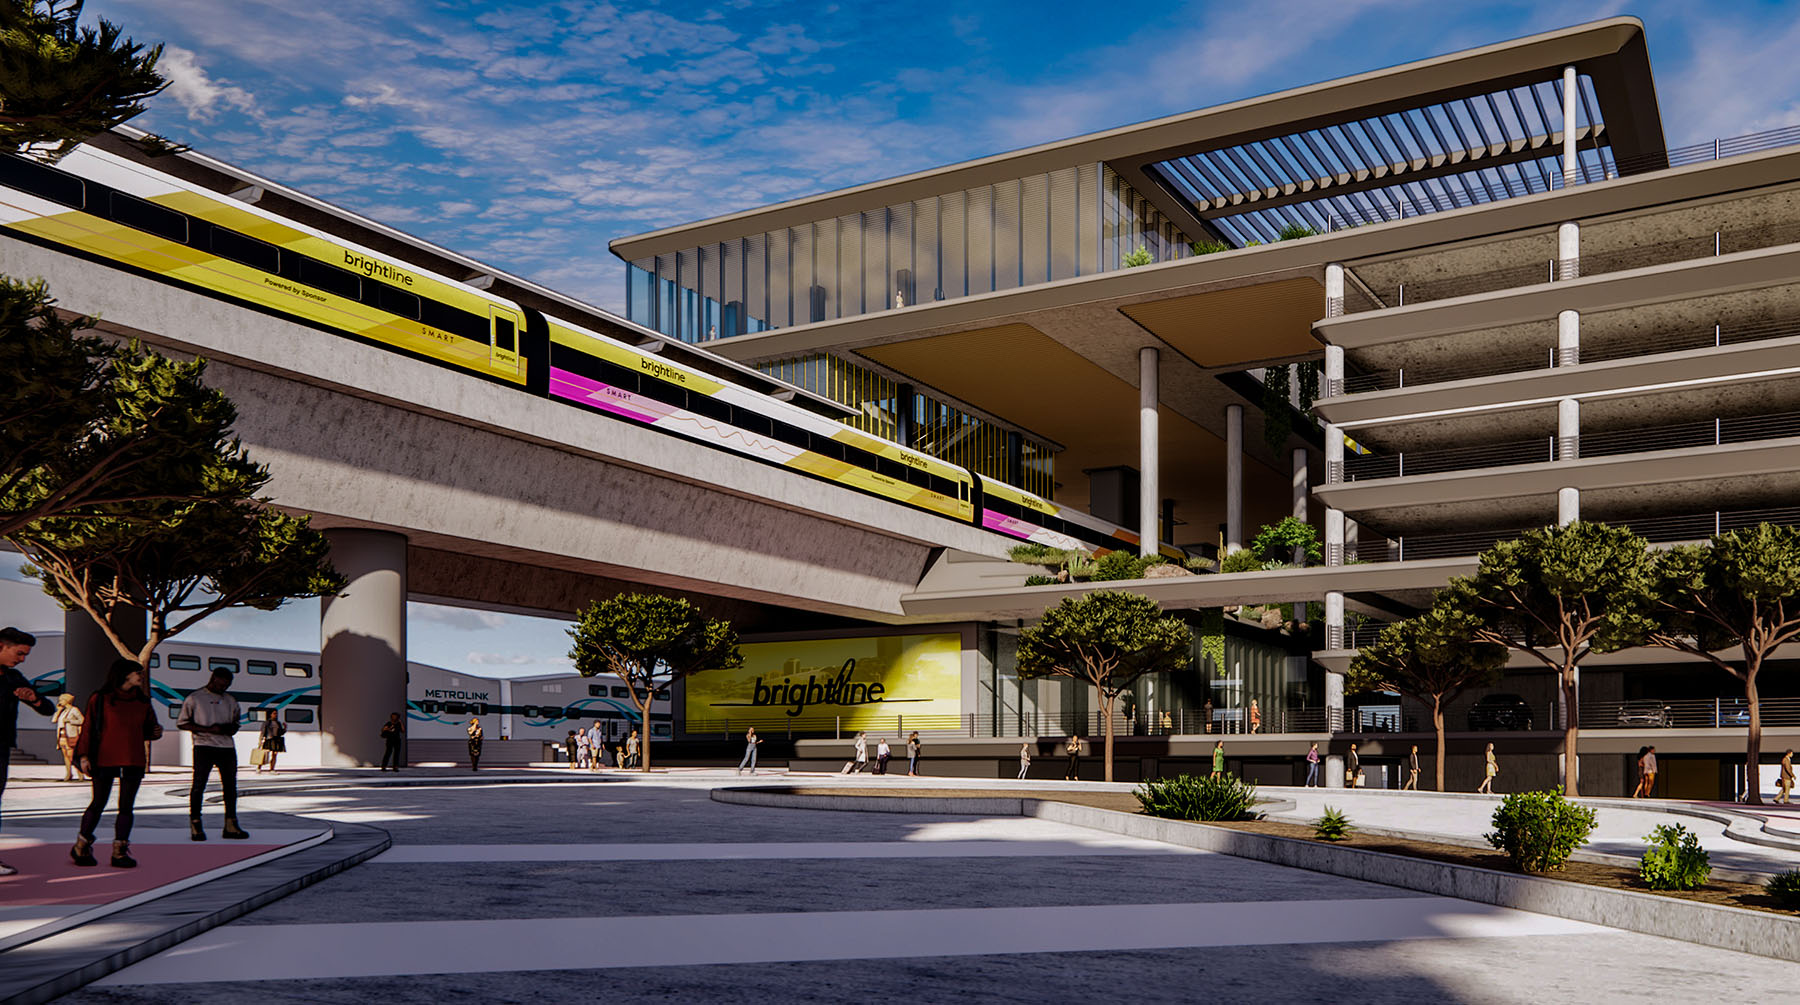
<point x="619" y="888"/>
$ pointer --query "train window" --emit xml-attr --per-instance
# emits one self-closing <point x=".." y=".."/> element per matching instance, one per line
<point x="296" y="669"/>
<point x="225" y="663"/>
<point x="174" y="711"/>
<point x="893" y="469"/>
<point x="155" y="660"/>
<point x="662" y="695"/>
<point x="754" y="423"/>
<point x="506" y="336"/>
<point x="659" y="729"/>
<point x="571" y="712"/>
<point x="261" y="668"/>
<point x="709" y="406"/>
<point x="454" y="321"/>
<point x="529" y="711"/>
<point x="149" y="217"/>
<point x="331" y="279"/>
<point x="597" y="690"/>
<point x="456" y="707"/>
<point x="825" y="446"/>
<point x="245" y="250"/>
<point x="298" y="715"/>
<point x="620" y="692"/>
<point x="41" y="181"/>
<point x="178" y="661"/>
<point x="396" y="301"/>
<point x="428" y="707"/>
<point x="478" y="708"/>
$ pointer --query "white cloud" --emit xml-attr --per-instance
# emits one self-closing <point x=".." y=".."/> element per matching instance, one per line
<point x="462" y="619"/>
<point x="203" y="97"/>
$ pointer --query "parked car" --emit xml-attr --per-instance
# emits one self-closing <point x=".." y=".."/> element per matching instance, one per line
<point x="1499" y="711"/>
<point x="1646" y="712"/>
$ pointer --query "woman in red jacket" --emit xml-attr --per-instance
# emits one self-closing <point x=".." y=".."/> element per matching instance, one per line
<point x="120" y="720"/>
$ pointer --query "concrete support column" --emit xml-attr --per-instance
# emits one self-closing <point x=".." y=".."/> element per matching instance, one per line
<point x="1568" y="338"/>
<point x="1568" y="251"/>
<point x="1334" y="622"/>
<point x="1334" y="371"/>
<point x="1334" y="767"/>
<point x="1571" y="167"/>
<point x="1568" y="429"/>
<point x="1234" y="478"/>
<point x="1334" y="705"/>
<point x="1334" y="290"/>
<point x="1149" y="455"/>
<point x="362" y="646"/>
<point x="1568" y="506"/>
<point x="1349" y="538"/>
<point x="1334" y="454"/>
<point x="87" y="652"/>
<point x="1334" y="537"/>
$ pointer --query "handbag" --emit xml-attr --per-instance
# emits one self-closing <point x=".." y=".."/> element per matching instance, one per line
<point x="258" y="756"/>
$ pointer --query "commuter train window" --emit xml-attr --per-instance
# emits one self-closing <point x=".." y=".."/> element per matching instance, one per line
<point x="456" y="707"/>
<point x="478" y="708"/>
<point x="331" y="279"/>
<point x="174" y="711"/>
<point x="178" y="661"/>
<point x="662" y="695"/>
<point x="428" y="707"/>
<point x="261" y="668"/>
<point x="396" y="301"/>
<point x="620" y="692"/>
<point x="224" y="663"/>
<point x="505" y="335"/>
<point x="752" y="422"/>
<point x="571" y="712"/>
<point x="298" y="715"/>
<point x="296" y="669"/>
<point x="454" y="321"/>
<point x="155" y="660"/>
<point x="711" y="407"/>
<point x="529" y="711"/>
<point x="42" y="181"/>
<point x="659" y="729"/>
<point x="149" y="217"/>
<point x="245" y="250"/>
<point x="597" y="690"/>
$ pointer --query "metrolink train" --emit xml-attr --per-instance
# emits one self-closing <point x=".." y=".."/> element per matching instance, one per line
<point x="103" y="207"/>
<point x="285" y="683"/>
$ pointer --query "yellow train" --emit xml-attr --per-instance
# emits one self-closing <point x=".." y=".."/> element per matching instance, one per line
<point x="103" y="207"/>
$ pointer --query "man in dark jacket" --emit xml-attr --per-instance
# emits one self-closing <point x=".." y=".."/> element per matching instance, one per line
<point x="15" y="690"/>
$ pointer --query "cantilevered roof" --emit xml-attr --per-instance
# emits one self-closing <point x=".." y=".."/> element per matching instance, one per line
<point x="1423" y="134"/>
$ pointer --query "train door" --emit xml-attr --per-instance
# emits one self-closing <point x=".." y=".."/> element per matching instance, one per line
<point x="503" y="334"/>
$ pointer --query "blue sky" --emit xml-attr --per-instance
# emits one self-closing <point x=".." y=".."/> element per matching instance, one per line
<point x="530" y="134"/>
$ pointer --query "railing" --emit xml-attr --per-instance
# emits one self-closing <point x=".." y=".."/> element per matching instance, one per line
<point x="1175" y="722"/>
<point x="1686" y="713"/>
<point x="1657" y="530"/>
<point x="1676" y="436"/>
<point x="1549" y="269"/>
<point x="1545" y="357"/>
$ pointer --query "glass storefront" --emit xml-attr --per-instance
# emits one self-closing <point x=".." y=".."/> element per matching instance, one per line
<point x="1075" y="222"/>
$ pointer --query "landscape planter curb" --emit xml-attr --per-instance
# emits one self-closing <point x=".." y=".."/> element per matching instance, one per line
<point x="1739" y="929"/>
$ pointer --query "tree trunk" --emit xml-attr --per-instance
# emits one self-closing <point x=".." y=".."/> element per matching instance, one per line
<point x="1572" y="713"/>
<point x="1753" y="741"/>
<point x="643" y="733"/>
<point x="1437" y="723"/>
<point x="1106" y="712"/>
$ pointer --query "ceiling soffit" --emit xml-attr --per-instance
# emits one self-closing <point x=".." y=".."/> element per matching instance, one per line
<point x="1225" y="328"/>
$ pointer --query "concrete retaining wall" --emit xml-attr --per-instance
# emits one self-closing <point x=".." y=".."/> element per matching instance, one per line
<point x="1734" y="928"/>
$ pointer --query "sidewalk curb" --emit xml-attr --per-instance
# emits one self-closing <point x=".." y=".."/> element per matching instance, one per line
<point x="1735" y="928"/>
<point x="58" y="964"/>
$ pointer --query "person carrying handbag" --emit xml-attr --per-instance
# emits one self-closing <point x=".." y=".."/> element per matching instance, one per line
<point x="68" y="720"/>
<point x="120" y="721"/>
<point x="272" y="743"/>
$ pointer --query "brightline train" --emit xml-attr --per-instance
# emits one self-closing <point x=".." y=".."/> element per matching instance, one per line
<point x="103" y="207"/>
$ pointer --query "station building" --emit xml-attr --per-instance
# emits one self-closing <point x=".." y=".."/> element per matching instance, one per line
<point x="1421" y="308"/>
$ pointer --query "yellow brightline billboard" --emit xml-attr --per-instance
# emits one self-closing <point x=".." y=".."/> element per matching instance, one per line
<point x="867" y="681"/>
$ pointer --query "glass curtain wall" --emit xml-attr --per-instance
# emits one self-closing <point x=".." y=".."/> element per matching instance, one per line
<point x="1074" y="222"/>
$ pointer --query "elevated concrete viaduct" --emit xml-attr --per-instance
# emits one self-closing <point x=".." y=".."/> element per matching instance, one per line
<point x="439" y="486"/>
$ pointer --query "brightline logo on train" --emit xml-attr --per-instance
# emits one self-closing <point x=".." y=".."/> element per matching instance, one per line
<point x="839" y="690"/>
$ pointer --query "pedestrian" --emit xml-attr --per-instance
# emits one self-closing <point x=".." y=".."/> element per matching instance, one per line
<point x="1784" y="783"/>
<point x="631" y="750"/>
<point x="882" y="753"/>
<point x="1649" y="779"/>
<point x="1353" y="775"/>
<point x="584" y="748"/>
<point x="1312" y="766"/>
<point x="1493" y="769"/>
<point x="119" y="721"/>
<point x="859" y="757"/>
<point x="211" y="716"/>
<point x="596" y="747"/>
<point x="15" y="690"/>
<point x="1412" y="769"/>
<point x="1255" y="717"/>
<point x="272" y="741"/>
<point x="68" y="720"/>
<point x="571" y="751"/>
<point x="913" y="746"/>
<point x="1218" y="757"/>
<point x="1168" y="724"/>
<point x="475" y="734"/>
<point x="751" y="742"/>
<point x="1638" y="793"/>
<point x="1074" y="751"/>
<point x="1206" y="717"/>
<point x="393" y="732"/>
<point x="1024" y="758"/>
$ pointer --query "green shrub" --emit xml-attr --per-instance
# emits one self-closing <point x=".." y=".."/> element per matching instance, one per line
<point x="1241" y="561"/>
<point x="1208" y="797"/>
<point x="1039" y="580"/>
<point x="1674" y="860"/>
<point x="1139" y="257"/>
<point x="1293" y="231"/>
<point x="1784" y="889"/>
<point x="1032" y="553"/>
<point x="1208" y="247"/>
<point x="1333" y="826"/>
<point x="1195" y="563"/>
<point x="1538" y="830"/>
<point x="1121" y="565"/>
